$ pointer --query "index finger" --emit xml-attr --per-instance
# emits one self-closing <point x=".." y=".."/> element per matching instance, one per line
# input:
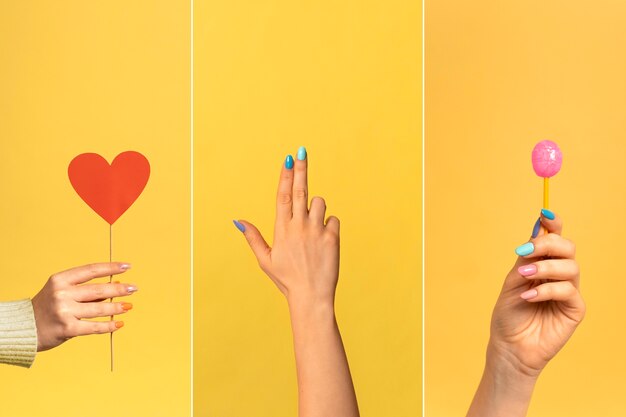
<point x="86" y="273"/>
<point x="284" y="197"/>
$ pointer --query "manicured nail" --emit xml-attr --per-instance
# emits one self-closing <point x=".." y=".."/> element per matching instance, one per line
<point x="530" y="294"/>
<point x="239" y="226"/>
<point x="525" y="249"/>
<point x="289" y="162"/>
<point x="131" y="289"/>
<point x="536" y="228"/>
<point x="127" y="306"/>
<point x="527" y="270"/>
<point x="119" y="324"/>
<point x="301" y="153"/>
<point x="124" y="267"/>
<point x="547" y="214"/>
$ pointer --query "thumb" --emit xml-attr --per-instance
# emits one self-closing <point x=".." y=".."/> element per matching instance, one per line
<point x="257" y="243"/>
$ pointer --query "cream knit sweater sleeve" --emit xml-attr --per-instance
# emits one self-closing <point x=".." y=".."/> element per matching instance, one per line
<point x="18" y="334"/>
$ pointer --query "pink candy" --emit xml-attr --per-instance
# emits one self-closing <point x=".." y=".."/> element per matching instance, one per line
<point x="547" y="158"/>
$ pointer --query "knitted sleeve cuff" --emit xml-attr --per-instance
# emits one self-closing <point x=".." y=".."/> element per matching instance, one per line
<point x="18" y="333"/>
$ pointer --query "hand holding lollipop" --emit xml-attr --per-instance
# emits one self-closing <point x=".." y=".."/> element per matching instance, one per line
<point x="538" y="310"/>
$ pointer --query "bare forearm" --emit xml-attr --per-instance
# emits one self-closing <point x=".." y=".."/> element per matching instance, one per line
<point x="324" y="382"/>
<point x="504" y="391"/>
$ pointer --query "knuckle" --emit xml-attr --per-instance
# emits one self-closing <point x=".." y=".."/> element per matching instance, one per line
<point x="552" y="238"/>
<point x="284" y="198"/>
<point x="99" y="310"/>
<point x="68" y="330"/>
<point x="99" y="327"/>
<point x="572" y="248"/>
<point x="99" y="289"/>
<point x="546" y="291"/>
<point x="299" y="192"/>
<point x="59" y="296"/>
<point x="331" y="237"/>
<point x="92" y="269"/>
<point x="545" y="268"/>
<point x="55" y="281"/>
<point x="318" y="200"/>
<point x="63" y="309"/>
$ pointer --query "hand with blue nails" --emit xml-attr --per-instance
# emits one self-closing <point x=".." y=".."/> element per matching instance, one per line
<point x="539" y="308"/>
<point x="303" y="262"/>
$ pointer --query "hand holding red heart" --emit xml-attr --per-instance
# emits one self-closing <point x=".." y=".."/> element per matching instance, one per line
<point x="66" y="300"/>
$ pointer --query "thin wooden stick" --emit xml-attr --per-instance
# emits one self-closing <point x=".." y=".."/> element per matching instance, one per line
<point x="111" y="280"/>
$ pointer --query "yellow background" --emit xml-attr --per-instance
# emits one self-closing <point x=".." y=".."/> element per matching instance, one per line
<point x="501" y="76"/>
<point x="99" y="77"/>
<point x="343" y="79"/>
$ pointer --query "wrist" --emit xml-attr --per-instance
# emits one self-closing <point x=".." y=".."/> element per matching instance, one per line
<point x="308" y="313"/>
<point x="311" y="306"/>
<point x="310" y="301"/>
<point x="505" y="389"/>
<point x="505" y="364"/>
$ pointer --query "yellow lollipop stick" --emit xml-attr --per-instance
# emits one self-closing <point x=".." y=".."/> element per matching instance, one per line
<point x="546" y="188"/>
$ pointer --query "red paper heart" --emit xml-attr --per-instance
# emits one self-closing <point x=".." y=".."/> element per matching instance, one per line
<point x="109" y="189"/>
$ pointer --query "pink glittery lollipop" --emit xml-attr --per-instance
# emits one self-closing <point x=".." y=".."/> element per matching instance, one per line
<point x="547" y="159"/>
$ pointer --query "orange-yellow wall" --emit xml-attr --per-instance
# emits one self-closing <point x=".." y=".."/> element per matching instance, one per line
<point x="501" y="76"/>
<point x="99" y="77"/>
<point x="343" y="79"/>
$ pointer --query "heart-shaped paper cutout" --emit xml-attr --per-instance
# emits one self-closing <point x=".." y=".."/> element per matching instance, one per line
<point x="109" y="189"/>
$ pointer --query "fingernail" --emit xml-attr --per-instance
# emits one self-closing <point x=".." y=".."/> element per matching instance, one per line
<point x="301" y="153"/>
<point x="119" y="324"/>
<point x="547" y="214"/>
<point x="527" y="295"/>
<point x="131" y="289"/>
<point x="536" y="228"/>
<point x="289" y="162"/>
<point x="525" y="249"/>
<point x="239" y="226"/>
<point x="127" y="306"/>
<point x="124" y="267"/>
<point x="527" y="270"/>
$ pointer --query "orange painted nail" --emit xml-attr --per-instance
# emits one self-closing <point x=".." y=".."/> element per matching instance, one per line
<point x="127" y="306"/>
<point x="119" y="324"/>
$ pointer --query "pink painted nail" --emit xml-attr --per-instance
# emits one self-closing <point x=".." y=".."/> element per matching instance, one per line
<point x="527" y="270"/>
<point x="124" y="267"/>
<point x="530" y="294"/>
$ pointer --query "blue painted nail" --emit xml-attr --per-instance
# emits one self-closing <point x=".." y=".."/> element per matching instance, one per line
<point x="536" y="228"/>
<point x="289" y="162"/>
<point x="525" y="249"/>
<point x="239" y="226"/>
<point x="301" y="153"/>
<point x="547" y="214"/>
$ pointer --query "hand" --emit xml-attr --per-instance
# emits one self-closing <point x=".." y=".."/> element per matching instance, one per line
<point x="540" y="305"/>
<point x="62" y="304"/>
<point x="538" y="310"/>
<point x="304" y="259"/>
<point x="304" y="265"/>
